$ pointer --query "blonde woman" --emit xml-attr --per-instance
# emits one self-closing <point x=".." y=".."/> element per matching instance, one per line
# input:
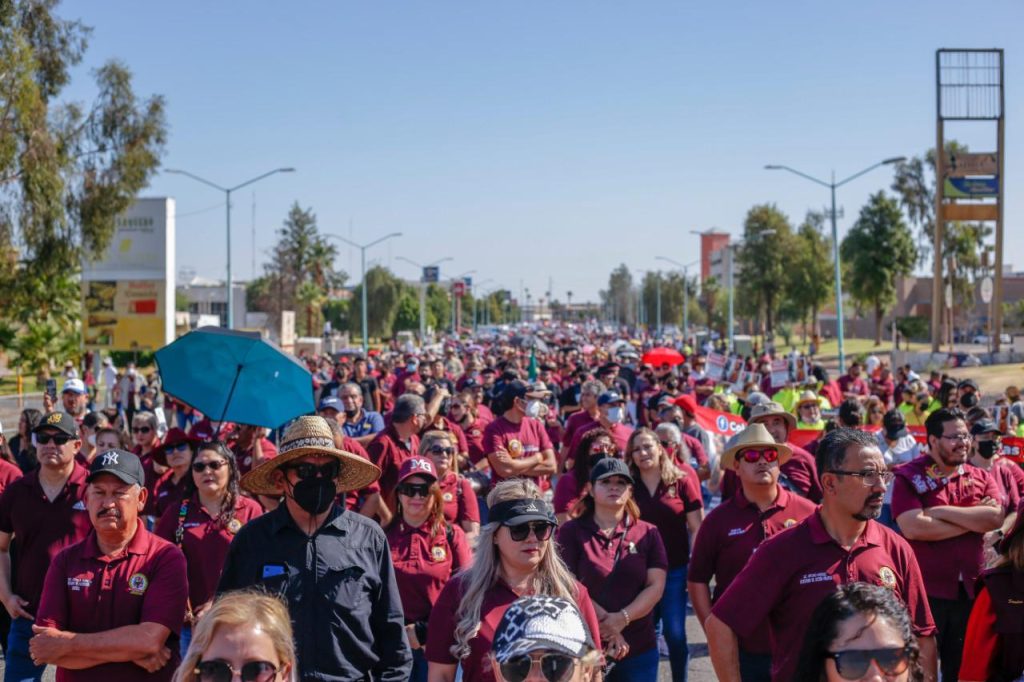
<point x="460" y="505"/>
<point x="243" y="633"/>
<point x="515" y="556"/>
<point x="668" y="495"/>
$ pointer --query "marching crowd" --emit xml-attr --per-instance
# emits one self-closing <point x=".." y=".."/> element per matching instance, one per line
<point x="523" y="509"/>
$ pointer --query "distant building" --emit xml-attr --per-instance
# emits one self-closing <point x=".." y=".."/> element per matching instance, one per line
<point x="714" y="246"/>
<point x="207" y="297"/>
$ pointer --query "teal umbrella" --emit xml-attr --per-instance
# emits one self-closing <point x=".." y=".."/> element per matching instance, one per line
<point x="236" y="376"/>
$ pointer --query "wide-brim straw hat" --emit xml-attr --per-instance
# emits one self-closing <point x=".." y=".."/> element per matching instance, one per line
<point x="310" y="436"/>
<point x="808" y="397"/>
<point x="771" y="409"/>
<point x="755" y="435"/>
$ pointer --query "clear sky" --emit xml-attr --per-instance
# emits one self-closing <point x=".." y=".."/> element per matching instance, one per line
<point x="537" y="140"/>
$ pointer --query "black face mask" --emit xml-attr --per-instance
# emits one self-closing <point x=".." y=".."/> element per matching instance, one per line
<point x="969" y="400"/>
<point x="314" y="495"/>
<point x="671" y="384"/>
<point x="988" y="448"/>
<point x="924" y="404"/>
<point x="352" y="413"/>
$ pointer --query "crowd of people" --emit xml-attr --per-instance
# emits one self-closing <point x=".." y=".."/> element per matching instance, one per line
<point x="548" y="507"/>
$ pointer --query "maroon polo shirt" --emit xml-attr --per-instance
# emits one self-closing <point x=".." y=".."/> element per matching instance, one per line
<point x="567" y="493"/>
<point x="848" y="384"/>
<point x="945" y="563"/>
<point x="728" y="537"/>
<point x="246" y="457"/>
<point x="667" y="509"/>
<point x="591" y="556"/>
<point x="620" y="436"/>
<point x="800" y="471"/>
<point x="1006" y="481"/>
<point x="168" y="493"/>
<point x="387" y="450"/>
<point x="204" y="541"/>
<point x="42" y="528"/>
<point x="424" y="562"/>
<point x="524" y="439"/>
<point x="475" y="439"/>
<point x="792" y="572"/>
<point x="444" y="618"/>
<point x="575" y="422"/>
<point x="354" y="498"/>
<point x="8" y="474"/>
<point x="87" y="592"/>
<point x="460" y="503"/>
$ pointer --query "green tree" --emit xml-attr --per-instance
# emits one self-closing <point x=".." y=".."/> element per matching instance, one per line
<point x="810" y="273"/>
<point x="878" y="249"/>
<point x="618" y="297"/>
<point x="764" y="259"/>
<point x="711" y="301"/>
<point x="407" y="317"/>
<point x="383" y="293"/>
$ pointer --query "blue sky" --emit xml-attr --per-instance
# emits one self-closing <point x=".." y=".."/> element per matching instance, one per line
<point x="536" y="140"/>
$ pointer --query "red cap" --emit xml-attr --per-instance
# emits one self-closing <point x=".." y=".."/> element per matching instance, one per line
<point x="687" y="403"/>
<point x="417" y="466"/>
<point x="173" y="438"/>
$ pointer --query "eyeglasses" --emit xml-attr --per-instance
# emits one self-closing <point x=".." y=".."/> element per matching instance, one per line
<point x="55" y="438"/>
<point x="521" y="531"/>
<point x="666" y="444"/>
<point x="306" y="470"/>
<point x="554" y="667"/>
<point x="962" y="436"/>
<point x="222" y="671"/>
<point x="753" y="455"/>
<point x="853" y="665"/>
<point x="213" y="465"/>
<point x="870" y="477"/>
<point x="141" y="429"/>
<point x="414" y="489"/>
<point x="180" y="447"/>
<point x="441" y="450"/>
<point x="349" y="397"/>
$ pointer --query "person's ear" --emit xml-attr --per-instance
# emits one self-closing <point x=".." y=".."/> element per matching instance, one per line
<point x="143" y="496"/>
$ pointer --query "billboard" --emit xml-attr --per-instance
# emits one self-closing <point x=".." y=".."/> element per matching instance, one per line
<point x="128" y="293"/>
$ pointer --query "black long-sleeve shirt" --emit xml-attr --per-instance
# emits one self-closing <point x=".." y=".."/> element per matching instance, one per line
<point x="341" y="592"/>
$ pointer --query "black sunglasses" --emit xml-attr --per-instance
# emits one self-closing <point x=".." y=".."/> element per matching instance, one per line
<point x="554" y="667"/>
<point x="56" y="438"/>
<point x="141" y="429"/>
<point x="221" y="671"/>
<point x="214" y="465"/>
<point x="438" y="450"/>
<point x="306" y="470"/>
<point x="414" y="489"/>
<point x="541" y="530"/>
<point x="854" y="664"/>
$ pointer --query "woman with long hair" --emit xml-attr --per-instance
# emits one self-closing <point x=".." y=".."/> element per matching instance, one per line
<point x="21" y="444"/>
<point x="622" y="561"/>
<point x="460" y="505"/>
<point x="426" y="551"/>
<point x="248" y="633"/>
<point x="595" y="445"/>
<point x="175" y="452"/>
<point x="211" y="511"/>
<point x="874" y="411"/>
<point x="514" y="556"/>
<point x="994" y="645"/>
<point x="669" y="496"/>
<point x="860" y="632"/>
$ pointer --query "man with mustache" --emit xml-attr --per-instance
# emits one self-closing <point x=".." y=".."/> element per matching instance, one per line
<point x="113" y="604"/>
<point x="944" y="505"/>
<point x="793" y="571"/>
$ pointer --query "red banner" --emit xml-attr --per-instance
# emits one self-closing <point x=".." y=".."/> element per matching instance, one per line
<point x="1013" y="448"/>
<point x="722" y="423"/>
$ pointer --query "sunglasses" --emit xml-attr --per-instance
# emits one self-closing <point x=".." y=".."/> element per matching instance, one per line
<point x="306" y="470"/>
<point x="753" y="455"/>
<point x="554" y="667"/>
<point x="221" y="671"/>
<point x="414" y="489"/>
<point x="180" y="447"/>
<point x="521" y="531"/>
<point x="439" y="450"/>
<point x="47" y="438"/>
<point x="141" y="429"/>
<point x="213" y="465"/>
<point x="853" y="665"/>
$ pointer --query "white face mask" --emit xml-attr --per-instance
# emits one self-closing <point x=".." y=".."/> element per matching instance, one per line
<point x="533" y="408"/>
<point x="92" y="439"/>
<point x="615" y="414"/>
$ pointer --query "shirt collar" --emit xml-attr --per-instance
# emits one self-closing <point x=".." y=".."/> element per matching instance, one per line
<point x="872" y="534"/>
<point x="139" y="544"/>
<point x="337" y="522"/>
<point x="781" y="500"/>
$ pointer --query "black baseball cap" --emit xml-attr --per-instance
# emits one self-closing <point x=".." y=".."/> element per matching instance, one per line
<point x="514" y="512"/>
<point x="121" y="463"/>
<point x="984" y="426"/>
<point x="968" y="383"/>
<point x="894" y="424"/>
<point x="61" y="421"/>
<point x="608" y="467"/>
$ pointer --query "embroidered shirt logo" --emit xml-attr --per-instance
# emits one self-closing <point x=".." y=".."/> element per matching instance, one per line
<point x="737" y="531"/>
<point x="887" y="577"/>
<point x="438" y="553"/>
<point x="819" y="577"/>
<point x="138" y="583"/>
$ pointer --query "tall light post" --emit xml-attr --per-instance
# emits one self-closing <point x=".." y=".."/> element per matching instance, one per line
<point x="686" y="292"/>
<point x="362" y="250"/>
<point x="478" y="285"/>
<point x="423" y="290"/>
<point x="835" y="235"/>
<point x="227" y="194"/>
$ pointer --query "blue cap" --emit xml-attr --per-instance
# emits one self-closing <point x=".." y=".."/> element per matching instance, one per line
<point x="330" y="402"/>
<point x="609" y="398"/>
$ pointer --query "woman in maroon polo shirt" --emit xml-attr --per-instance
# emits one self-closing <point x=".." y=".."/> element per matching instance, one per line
<point x="175" y="452"/>
<point x="515" y="556"/>
<point x="464" y="413"/>
<point x="622" y="561"/>
<point x="595" y="445"/>
<point x="460" y="505"/>
<point x="668" y="494"/>
<point x="425" y="549"/>
<point x="210" y="513"/>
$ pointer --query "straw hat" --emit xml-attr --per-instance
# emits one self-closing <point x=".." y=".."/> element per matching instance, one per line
<point x="311" y="436"/>
<point x="755" y="435"/>
<point x="771" y="409"/>
<point x="807" y="397"/>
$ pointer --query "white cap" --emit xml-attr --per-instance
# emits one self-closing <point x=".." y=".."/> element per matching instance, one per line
<point x="75" y="386"/>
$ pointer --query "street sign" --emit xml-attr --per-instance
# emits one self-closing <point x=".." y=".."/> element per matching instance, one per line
<point x="468" y="281"/>
<point x="971" y="188"/>
<point x="949" y="295"/>
<point x="459" y="288"/>
<point x="431" y="274"/>
<point x="970" y="212"/>
<point x="962" y="165"/>
<point x="986" y="290"/>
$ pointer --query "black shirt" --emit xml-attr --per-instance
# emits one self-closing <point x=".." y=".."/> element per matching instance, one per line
<point x="340" y="588"/>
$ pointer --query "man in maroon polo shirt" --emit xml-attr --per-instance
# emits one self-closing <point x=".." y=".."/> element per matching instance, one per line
<point x="800" y="472"/>
<point x="841" y="543"/>
<point x="730" y="534"/>
<point x="516" y="443"/>
<point x="113" y="604"/>
<point x="45" y="513"/>
<point x="611" y="416"/>
<point x="398" y="442"/>
<point x="944" y="505"/>
<point x="852" y="385"/>
<point x="588" y="413"/>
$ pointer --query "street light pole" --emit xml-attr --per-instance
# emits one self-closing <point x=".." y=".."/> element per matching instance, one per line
<point x="835" y="236"/>
<point x="686" y="292"/>
<point x="455" y="302"/>
<point x="362" y="248"/>
<point x="423" y="291"/>
<point x="227" y="195"/>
